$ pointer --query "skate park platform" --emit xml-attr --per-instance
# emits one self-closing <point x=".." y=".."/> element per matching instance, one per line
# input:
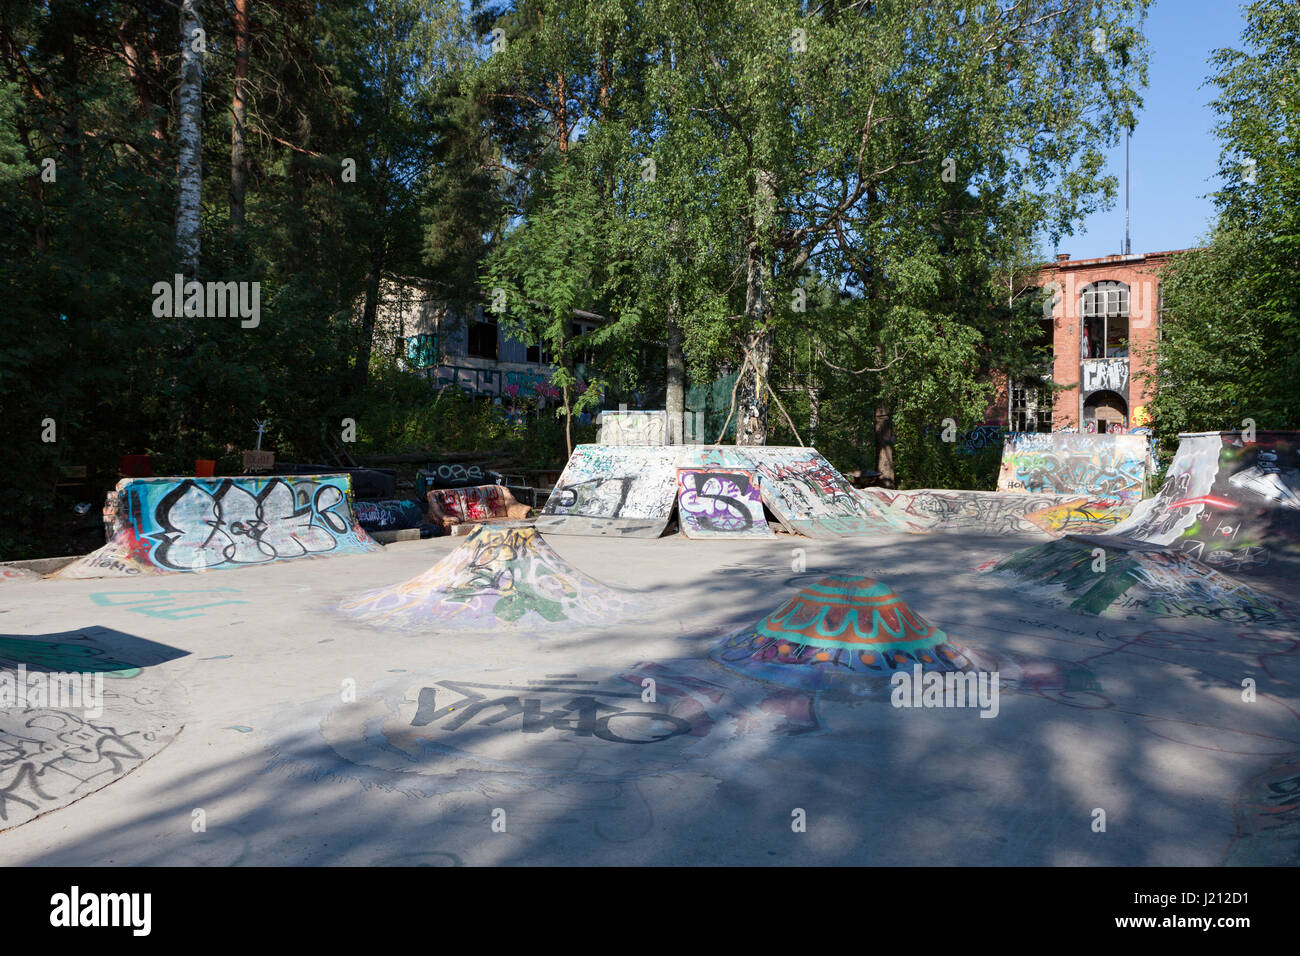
<point x="306" y="738"/>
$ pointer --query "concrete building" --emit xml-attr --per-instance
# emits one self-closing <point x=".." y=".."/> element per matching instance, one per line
<point x="470" y="349"/>
<point x="1103" y="329"/>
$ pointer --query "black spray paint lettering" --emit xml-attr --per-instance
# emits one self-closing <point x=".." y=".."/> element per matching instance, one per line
<point x="581" y="715"/>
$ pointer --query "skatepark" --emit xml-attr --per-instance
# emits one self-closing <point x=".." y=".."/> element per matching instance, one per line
<point x="687" y="658"/>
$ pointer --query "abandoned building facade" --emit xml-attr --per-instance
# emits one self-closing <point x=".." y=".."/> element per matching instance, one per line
<point x="1103" y="328"/>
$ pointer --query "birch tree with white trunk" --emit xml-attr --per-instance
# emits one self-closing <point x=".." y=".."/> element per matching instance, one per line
<point x="189" y="103"/>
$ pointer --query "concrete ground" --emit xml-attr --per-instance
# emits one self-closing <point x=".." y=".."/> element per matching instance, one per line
<point x="264" y="755"/>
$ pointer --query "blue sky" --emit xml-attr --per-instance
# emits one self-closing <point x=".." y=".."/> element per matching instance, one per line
<point x="1174" y="154"/>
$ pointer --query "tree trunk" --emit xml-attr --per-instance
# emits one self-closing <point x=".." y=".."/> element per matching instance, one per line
<point x="751" y="422"/>
<point x="238" y="115"/>
<point x="814" y="411"/>
<point x="885" y="444"/>
<point x="189" y="102"/>
<point x="675" y="395"/>
<point x="568" y="407"/>
<point x="369" y="312"/>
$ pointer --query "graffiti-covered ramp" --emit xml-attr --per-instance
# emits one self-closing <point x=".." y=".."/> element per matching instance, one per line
<point x="942" y="511"/>
<point x="498" y="577"/>
<point x="1231" y="500"/>
<point x="1117" y="577"/>
<point x="1107" y="468"/>
<point x="631" y="491"/>
<point x="169" y="525"/>
<point x="839" y="636"/>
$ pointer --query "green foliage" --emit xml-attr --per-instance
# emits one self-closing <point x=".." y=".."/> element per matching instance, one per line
<point x="89" y="85"/>
<point x="1232" y="309"/>
<point x="406" y="413"/>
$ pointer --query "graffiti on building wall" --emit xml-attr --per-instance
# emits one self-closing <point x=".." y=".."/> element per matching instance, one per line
<point x="1110" y="374"/>
<point x="718" y="501"/>
<point x="981" y="437"/>
<point x="503" y="382"/>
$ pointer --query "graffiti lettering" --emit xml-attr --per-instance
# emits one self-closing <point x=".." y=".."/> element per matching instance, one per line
<point x="579" y="716"/>
<point x="719" y="502"/>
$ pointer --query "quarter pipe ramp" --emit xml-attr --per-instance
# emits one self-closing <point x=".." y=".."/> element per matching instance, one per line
<point x="167" y="525"/>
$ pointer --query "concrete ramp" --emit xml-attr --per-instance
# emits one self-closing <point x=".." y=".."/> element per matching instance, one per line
<point x="720" y="503"/>
<point x="941" y="511"/>
<point x="499" y="577"/>
<point x="1114" y="577"/>
<point x="839" y="636"/>
<point x="1107" y="468"/>
<point x="1231" y="503"/>
<point x="171" y="525"/>
<point x="631" y="490"/>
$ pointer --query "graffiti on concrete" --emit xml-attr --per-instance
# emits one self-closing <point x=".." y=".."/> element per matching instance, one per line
<point x="51" y="753"/>
<point x="392" y="515"/>
<point x="1168" y="583"/>
<point x="189" y="524"/>
<point x="1268" y="819"/>
<point x="169" y="605"/>
<point x="435" y="734"/>
<point x="456" y="475"/>
<point x="1182" y="496"/>
<point x="497" y="577"/>
<point x="633" y="489"/>
<point x="718" y="501"/>
<point x="202" y="528"/>
<point x="583" y="715"/>
<point x="1270" y="480"/>
<point x="993" y="512"/>
<point x="1229" y="503"/>
<point x="1111" y="468"/>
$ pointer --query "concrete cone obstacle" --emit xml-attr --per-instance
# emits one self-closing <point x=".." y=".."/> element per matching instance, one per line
<point x="499" y="577"/>
<point x="838" y="635"/>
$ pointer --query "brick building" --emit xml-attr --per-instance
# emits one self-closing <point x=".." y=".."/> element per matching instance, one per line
<point x="1104" y="326"/>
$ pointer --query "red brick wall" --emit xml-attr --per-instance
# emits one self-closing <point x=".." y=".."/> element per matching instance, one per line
<point x="1141" y="275"/>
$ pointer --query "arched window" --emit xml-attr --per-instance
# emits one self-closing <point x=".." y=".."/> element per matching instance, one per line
<point x="1103" y="320"/>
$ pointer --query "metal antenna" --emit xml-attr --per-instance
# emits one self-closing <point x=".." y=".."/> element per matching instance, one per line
<point x="1128" y="243"/>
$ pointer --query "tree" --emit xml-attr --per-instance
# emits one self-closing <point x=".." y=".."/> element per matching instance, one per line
<point x="189" y="107"/>
<point x="1232" y="309"/>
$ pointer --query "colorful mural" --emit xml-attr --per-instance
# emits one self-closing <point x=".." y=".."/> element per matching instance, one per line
<point x="630" y="490"/>
<point x="497" y="577"/>
<point x="1232" y="503"/>
<point x="168" y="525"/>
<point x="837" y="632"/>
<point x="1108" y="468"/>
